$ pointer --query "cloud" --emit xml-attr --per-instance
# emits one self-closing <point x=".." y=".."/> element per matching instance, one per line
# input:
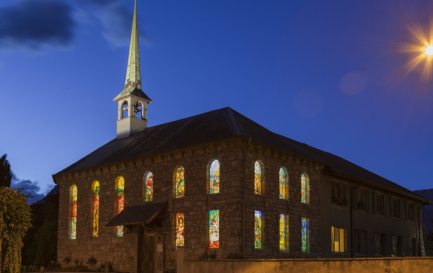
<point x="353" y="83"/>
<point x="115" y="17"/>
<point x="29" y="188"/>
<point x="35" y="24"/>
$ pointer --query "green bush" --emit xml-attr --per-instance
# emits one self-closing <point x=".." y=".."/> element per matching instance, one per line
<point x="14" y="223"/>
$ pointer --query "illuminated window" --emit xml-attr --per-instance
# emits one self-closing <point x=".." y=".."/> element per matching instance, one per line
<point x="338" y="240"/>
<point x="214" y="177"/>
<point x="73" y="208"/>
<point x="258" y="177"/>
<point x="284" y="183"/>
<point x="258" y="229"/>
<point x="124" y="113"/>
<point x="305" y="189"/>
<point x="180" y="229"/>
<point x="148" y="187"/>
<point x="214" y="229"/>
<point x="120" y="201"/>
<point x="284" y="232"/>
<point x="179" y="182"/>
<point x="305" y="235"/>
<point x="138" y="110"/>
<point x="95" y="208"/>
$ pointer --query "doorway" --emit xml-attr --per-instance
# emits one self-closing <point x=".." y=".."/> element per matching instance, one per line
<point x="152" y="254"/>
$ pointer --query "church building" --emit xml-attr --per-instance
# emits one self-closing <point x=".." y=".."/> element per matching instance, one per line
<point x="218" y="185"/>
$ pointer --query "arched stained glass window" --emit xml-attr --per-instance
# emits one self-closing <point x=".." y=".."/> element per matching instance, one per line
<point x="284" y="232"/>
<point x="179" y="182"/>
<point x="73" y="210"/>
<point x="305" y="189"/>
<point x="120" y="201"/>
<point x="258" y="177"/>
<point x="214" y="228"/>
<point x="95" y="208"/>
<point x="124" y="110"/>
<point x="258" y="229"/>
<point x="180" y="229"/>
<point x="214" y="177"/>
<point x="148" y="187"/>
<point x="284" y="183"/>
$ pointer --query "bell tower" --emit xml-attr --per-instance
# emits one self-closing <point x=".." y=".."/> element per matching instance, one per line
<point x="132" y="101"/>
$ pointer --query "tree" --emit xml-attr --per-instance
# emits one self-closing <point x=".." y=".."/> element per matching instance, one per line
<point x="15" y="220"/>
<point x="5" y="172"/>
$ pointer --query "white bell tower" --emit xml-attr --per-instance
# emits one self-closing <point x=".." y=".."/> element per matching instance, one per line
<point x="132" y="101"/>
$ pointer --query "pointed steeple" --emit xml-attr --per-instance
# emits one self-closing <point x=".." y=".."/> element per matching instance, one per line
<point x="133" y="73"/>
<point x="132" y="101"/>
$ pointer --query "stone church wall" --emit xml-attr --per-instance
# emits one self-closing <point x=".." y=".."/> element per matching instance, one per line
<point x="236" y="202"/>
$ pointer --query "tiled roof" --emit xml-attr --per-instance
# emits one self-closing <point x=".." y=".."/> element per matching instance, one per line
<point x="218" y="125"/>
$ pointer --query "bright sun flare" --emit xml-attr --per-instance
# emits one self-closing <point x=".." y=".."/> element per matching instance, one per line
<point x="420" y="51"/>
<point x="428" y="51"/>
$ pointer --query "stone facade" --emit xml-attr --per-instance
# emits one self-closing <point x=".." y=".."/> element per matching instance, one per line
<point x="236" y="202"/>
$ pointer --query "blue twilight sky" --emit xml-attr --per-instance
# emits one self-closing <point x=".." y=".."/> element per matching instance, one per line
<point x="327" y="73"/>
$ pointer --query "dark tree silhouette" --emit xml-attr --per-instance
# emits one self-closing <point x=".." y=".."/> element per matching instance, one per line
<point x="5" y="172"/>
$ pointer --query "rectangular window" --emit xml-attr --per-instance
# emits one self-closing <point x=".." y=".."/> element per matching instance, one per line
<point x="396" y="208"/>
<point x="180" y="229"/>
<point x="361" y="200"/>
<point x="214" y="228"/>
<point x="411" y="212"/>
<point x="338" y="240"/>
<point x="284" y="232"/>
<point x="258" y="229"/>
<point x="339" y="193"/>
<point x="379" y="244"/>
<point x="361" y="242"/>
<point x="379" y="203"/>
<point x="396" y="245"/>
<point x="305" y="235"/>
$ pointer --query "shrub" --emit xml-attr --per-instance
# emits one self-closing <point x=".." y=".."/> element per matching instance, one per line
<point x="15" y="220"/>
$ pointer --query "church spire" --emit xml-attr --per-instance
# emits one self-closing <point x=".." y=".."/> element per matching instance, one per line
<point x="133" y="73"/>
<point x="132" y="101"/>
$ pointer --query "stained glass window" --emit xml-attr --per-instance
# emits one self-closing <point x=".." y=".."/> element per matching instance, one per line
<point x="214" y="177"/>
<point x="284" y="232"/>
<point x="180" y="229"/>
<point x="148" y="187"/>
<point x="258" y="177"/>
<point x="305" y="189"/>
<point x="73" y="208"/>
<point x="179" y="182"/>
<point x="95" y="208"/>
<point x="258" y="229"/>
<point x="284" y="183"/>
<point x="120" y="201"/>
<point x="214" y="228"/>
<point x="305" y="235"/>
